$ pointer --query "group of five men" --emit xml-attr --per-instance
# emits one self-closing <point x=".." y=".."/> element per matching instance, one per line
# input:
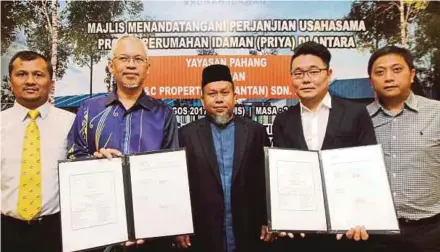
<point x="225" y="152"/>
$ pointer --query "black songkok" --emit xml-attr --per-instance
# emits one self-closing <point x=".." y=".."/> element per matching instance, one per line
<point x="216" y="73"/>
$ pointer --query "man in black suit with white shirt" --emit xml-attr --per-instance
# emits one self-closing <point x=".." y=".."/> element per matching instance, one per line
<point x="319" y="122"/>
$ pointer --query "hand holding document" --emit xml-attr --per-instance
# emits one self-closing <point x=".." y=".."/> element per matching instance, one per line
<point x="124" y="198"/>
<point x="329" y="191"/>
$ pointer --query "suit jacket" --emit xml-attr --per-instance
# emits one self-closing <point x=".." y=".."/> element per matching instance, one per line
<point x="248" y="203"/>
<point x="349" y="125"/>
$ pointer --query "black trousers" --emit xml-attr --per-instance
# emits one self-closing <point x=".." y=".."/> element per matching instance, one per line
<point x="36" y="235"/>
<point x="150" y="245"/>
<point x="415" y="236"/>
<point x="319" y="243"/>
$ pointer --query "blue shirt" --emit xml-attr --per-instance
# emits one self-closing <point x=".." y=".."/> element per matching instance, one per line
<point x="224" y="149"/>
<point x="103" y="122"/>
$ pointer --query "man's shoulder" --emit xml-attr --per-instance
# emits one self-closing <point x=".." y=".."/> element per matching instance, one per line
<point x="158" y="103"/>
<point x="251" y="124"/>
<point x="428" y="104"/>
<point x="97" y="103"/>
<point x="192" y="125"/>
<point x="100" y="103"/>
<point x="355" y="107"/>
<point x="283" y="116"/>
<point x="62" y="113"/>
<point x="7" y="112"/>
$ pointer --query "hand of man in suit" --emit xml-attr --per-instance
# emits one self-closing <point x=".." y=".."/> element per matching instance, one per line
<point x="266" y="235"/>
<point x="357" y="233"/>
<point x="291" y="235"/>
<point x="183" y="241"/>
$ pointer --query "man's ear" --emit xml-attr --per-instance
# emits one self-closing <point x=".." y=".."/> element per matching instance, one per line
<point x="110" y="67"/>
<point x="413" y="75"/>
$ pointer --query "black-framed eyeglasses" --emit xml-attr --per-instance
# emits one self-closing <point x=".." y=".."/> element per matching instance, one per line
<point x="312" y="73"/>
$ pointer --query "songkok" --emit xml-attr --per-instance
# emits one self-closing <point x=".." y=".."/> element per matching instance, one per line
<point x="216" y="73"/>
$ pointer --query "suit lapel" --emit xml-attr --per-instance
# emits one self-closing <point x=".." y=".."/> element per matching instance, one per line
<point x="296" y="124"/>
<point x="207" y="144"/>
<point x="334" y="118"/>
<point x="240" y="141"/>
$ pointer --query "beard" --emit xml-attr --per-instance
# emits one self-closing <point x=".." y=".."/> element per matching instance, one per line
<point x="222" y="120"/>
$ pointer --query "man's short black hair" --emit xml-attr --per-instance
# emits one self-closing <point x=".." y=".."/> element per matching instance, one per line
<point x="312" y="48"/>
<point x="404" y="53"/>
<point x="28" y="56"/>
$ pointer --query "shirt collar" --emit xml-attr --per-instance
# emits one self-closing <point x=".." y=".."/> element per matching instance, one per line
<point x="410" y="102"/>
<point x="144" y="100"/>
<point x="326" y="102"/>
<point x="22" y="111"/>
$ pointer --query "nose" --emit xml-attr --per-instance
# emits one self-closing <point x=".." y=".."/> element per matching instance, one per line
<point x="218" y="99"/>
<point x="131" y="64"/>
<point x="30" y="80"/>
<point x="306" y="78"/>
<point x="389" y="76"/>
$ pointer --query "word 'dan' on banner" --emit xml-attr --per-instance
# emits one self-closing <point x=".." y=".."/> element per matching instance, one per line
<point x="179" y="77"/>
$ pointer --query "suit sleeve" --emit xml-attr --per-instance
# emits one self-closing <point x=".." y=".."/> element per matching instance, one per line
<point x="77" y="138"/>
<point x="260" y="182"/>
<point x="181" y="137"/>
<point x="170" y="135"/>
<point x="277" y="132"/>
<point x="366" y="134"/>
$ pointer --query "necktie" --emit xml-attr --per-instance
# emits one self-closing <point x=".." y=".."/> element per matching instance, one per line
<point x="29" y="196"/>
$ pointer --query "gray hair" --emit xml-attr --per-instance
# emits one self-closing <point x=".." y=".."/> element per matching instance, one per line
<point x="115" y="42"/>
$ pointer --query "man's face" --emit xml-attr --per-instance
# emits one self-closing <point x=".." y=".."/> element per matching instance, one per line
<point x="310" y="77"/>
<point x="391" y="76"/>
<point x="129" y="65"/>
<point x="30" y="82"/>
<point x="219" y="100"/>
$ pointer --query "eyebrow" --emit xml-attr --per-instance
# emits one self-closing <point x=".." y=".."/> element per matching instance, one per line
<point x="393" y="65"/>
<point x="137" y="55"/>
<point x="27" y="71"/>
<point x="310" y="67"/>
<point x="219" y="90"/>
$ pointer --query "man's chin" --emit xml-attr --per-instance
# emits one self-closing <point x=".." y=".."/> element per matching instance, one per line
<point x="222" y="119"/>
<point x="130" y="85"/>
<point x="30" y="98"/>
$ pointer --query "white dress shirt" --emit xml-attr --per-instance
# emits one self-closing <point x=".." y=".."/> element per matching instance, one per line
<point x="54" y="125"/>
<point x="314" y="123"/>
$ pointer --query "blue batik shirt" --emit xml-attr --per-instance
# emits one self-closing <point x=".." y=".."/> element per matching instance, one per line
<point x="224" y="149"/>
<point x="103" y="122"/>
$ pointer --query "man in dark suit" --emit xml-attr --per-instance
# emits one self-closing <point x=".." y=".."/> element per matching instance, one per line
<point x="225" y="156"/>
<point x="319" y="122"/>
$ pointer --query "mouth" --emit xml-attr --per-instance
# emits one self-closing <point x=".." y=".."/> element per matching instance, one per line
<point x="220" y="109"/>
<point x="130" y="75"/>
<point x="307" y="89"/>
<point x="391" y="87"/>
<point x="30" y="90"/>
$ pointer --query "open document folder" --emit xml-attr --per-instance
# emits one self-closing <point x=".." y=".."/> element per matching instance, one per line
<point x="109" y="201"/>
<point x="329" y="191"/>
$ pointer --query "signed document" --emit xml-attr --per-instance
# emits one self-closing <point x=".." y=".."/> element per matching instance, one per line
<point x="358" y="190"/>
<point x="296" y="197"/>
<point x="329" y="191"/>
<point x="92" y="201"/>
<point x="132" y="197"/>
<point x="160" y="190"/>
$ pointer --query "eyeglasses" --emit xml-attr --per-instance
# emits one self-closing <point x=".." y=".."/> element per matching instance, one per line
<point x="312" y="73"/>
<point x="138" y="60"/>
